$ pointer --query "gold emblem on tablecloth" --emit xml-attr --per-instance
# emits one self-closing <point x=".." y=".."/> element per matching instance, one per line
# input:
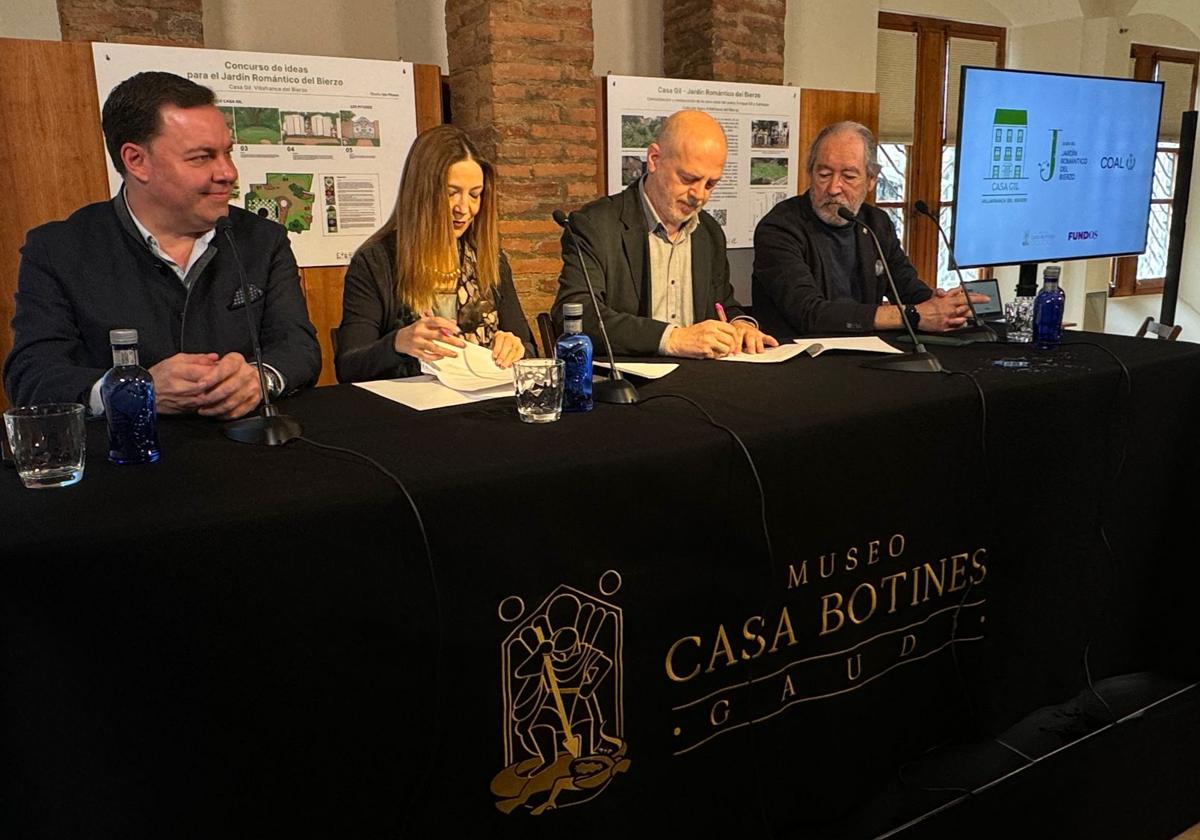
<point x="563" y="703"/>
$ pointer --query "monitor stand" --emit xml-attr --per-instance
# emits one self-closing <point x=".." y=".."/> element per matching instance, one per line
<point x="1027" y="280"/>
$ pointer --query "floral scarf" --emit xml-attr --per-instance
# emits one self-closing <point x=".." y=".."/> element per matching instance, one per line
<point x="478" y="317"/>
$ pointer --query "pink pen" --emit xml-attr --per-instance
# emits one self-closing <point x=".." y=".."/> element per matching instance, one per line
<point x="721" y="314"/>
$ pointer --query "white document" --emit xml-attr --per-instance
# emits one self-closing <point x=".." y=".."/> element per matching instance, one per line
<point x="425" y="392"/>
<point x="471" y="370"/>
<point x="859" y="343"/>
<point x="768" y="356"/>
<point x="646" y="370"/>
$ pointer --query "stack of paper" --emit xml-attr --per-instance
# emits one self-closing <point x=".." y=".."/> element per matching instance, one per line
<point x="857" y="343"/>
<point x="814" y="347"/>
<point x="425" y="392"/>
<point x="470" y="376"/>
<point x="646" y="370"/>
<point x="472" y="369"/>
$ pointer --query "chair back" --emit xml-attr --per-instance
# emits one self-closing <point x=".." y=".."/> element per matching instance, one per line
<point x="1166" y="332"/>
<point x="546" y="331"/>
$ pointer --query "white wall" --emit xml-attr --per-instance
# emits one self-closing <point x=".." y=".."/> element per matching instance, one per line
<point x="830" y="45"/>
<point x="421" y="32"/>
<point x="970" y="11"/>
<point x="628" y="37"/>
<point x="33" y="19"/>
<point x="628" y="33"/>
<point x="355" y="29"/>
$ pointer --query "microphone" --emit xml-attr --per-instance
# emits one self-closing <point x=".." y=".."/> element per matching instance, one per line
<point x="615" y="389"/>
<point x="269" y="428"/>
<point x="985" y="334"/>
<point x="919" y="360"/>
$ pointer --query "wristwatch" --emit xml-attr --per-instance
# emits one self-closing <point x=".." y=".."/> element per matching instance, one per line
<point x="914" y="317"/>
<point x="274" y="381"/>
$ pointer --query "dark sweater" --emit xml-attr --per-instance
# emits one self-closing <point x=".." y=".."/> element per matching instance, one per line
<point x="81" y="277"/>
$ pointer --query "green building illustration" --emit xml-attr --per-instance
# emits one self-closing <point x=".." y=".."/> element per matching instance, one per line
<point x="1008" y="144"/>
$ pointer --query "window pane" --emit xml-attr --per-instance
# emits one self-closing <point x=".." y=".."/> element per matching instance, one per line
<point x="948" y="279"/>
<point x="948" y="173"/>
<point x="893" y="160"/>
<point x="1153" y="263"/>
<point x="897" y="214"/>
<point x="1164" y="174"/>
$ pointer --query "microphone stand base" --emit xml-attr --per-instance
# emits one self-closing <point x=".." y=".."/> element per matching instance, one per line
<point x="921" y="361"/>
<point x="617" y="391"/>
<point x="981" y="334"/>
<point x="275" y="430"/>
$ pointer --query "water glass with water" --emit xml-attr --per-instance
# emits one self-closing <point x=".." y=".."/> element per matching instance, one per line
<point x="48" y="443"/>
<point x="539" y="384"/>
<point x="1018" y="313"/>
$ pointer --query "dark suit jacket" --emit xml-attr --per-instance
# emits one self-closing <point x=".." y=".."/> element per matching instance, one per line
<point x="612" y="234"/>
<point x="81" y="277"/>
<point x="792" y="286"/>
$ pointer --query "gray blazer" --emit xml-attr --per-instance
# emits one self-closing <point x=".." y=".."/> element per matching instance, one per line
<point x="612" y="237"/>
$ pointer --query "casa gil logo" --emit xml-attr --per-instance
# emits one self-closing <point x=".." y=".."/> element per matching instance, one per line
<point x="1007" y="161"/>
<point x="563" y="715"/>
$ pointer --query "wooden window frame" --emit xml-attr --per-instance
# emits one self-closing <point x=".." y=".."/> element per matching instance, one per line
<point x="1124" y="280"/>
<point x="923" y="178"/>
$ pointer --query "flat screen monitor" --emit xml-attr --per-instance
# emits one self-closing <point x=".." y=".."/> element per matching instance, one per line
<point x="1052" y="167"/>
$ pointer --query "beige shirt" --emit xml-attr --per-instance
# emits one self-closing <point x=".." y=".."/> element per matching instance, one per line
<point x="670" y="270"/>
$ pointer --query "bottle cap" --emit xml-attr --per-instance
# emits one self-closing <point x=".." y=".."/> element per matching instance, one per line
<point x="572" y="310"/>
<point x="125" y="336"/>
<point x="1051" y="272"/>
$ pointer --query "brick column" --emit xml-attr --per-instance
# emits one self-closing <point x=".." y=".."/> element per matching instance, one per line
<point x="724" y="40"/>
<point x="165" y="22"/>
<point x="522" y="87"/>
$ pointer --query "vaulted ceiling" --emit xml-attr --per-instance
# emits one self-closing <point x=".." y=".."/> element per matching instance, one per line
<point x="1032" y="12"/>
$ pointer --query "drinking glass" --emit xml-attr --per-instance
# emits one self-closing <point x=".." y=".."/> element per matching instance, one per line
<point x="48" y="443"/>
<point x="539" y="384"/>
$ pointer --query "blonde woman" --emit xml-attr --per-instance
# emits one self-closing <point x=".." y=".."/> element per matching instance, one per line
<point x="434" y="272"/>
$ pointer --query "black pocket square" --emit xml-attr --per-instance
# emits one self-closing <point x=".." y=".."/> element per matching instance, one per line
<point x="239" y="300"/>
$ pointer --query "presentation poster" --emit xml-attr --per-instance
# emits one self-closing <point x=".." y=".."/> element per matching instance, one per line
<point x="319" y="143"/>
<point x="1053" y="167"/>
<point x="759" y="121"/>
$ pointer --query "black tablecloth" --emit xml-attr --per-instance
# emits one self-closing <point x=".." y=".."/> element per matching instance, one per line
<point x="238" y="641"/>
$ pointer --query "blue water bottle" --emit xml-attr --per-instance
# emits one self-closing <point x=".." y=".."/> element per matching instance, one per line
<point x="575" y="350"/>
<point x="1048" y="311"/>
<point x="128" y="395"/>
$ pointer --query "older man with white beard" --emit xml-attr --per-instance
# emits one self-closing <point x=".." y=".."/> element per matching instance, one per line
<point x="816" y="273"/>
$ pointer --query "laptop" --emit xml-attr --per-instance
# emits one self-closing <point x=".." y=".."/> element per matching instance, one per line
<point x="992" y="312"/>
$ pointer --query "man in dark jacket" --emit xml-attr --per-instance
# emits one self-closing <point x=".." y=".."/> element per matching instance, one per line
<point x="657" y="261"/>
<point x="151" y="259"/>
<point x="816" y="273"/>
